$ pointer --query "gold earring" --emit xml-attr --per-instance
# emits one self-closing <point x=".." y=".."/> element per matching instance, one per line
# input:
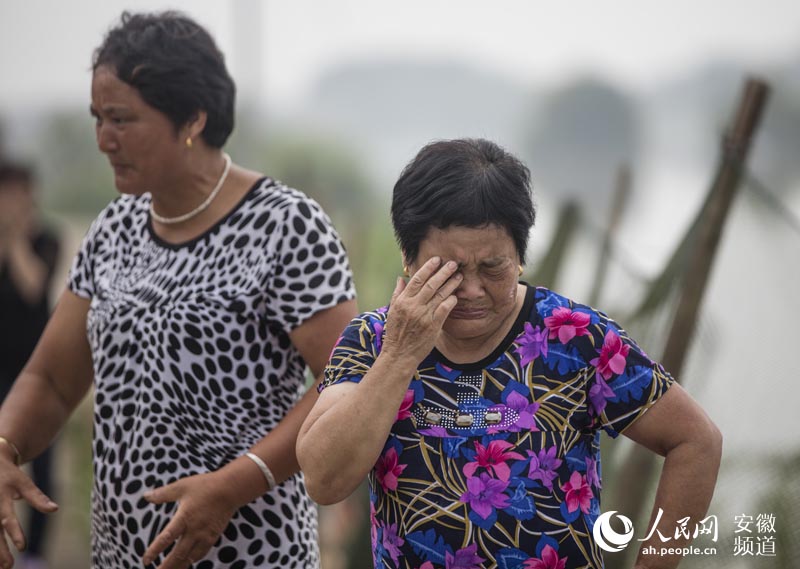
<point x="521" y="270"/>
<point x="188" y="142"/>
<point x="405" y="271"/>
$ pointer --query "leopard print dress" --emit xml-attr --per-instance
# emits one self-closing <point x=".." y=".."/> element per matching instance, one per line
<point x="193" y="364"/>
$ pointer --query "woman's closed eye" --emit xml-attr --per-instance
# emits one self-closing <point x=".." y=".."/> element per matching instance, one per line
<point x="495" y="272"/>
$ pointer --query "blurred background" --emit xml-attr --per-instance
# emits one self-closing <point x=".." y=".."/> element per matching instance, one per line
<point x="618" y="109"/>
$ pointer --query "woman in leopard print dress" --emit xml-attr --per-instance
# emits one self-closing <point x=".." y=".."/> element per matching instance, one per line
<point x="195" y="303"/>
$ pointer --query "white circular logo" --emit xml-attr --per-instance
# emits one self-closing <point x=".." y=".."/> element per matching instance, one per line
<point x="607" y="538"/>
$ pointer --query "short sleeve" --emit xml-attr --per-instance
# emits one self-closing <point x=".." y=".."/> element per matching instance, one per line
<point x="81" y="273"/>
<point x="356" y="350"/>
<point x="311" y="271"/>
<point x="625" y="382"/>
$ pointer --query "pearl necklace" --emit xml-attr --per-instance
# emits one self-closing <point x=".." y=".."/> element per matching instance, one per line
<point x="202" y="206"/>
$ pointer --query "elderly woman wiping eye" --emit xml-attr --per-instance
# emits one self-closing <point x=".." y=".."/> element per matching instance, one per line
<point x="474" y="401"/>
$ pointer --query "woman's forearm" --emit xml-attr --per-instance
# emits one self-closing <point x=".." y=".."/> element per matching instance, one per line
<point x="57" y="377"/>
<point x="343" y="440"/>
<point x="32" y="415"/>
<point x="684" y="490"/>
<point x="276" y="449"/>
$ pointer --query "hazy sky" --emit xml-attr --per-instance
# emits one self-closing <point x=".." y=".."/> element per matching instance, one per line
<point x="45" y="45"/>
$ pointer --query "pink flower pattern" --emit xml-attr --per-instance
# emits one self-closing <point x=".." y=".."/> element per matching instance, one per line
<point x="405" y="407"/>
<point x="548" y="560"/>
<point x="613" y="356"/>
<point x="493" y="458"/>
<point x="579" y="494"/>
<point x="517" y="464"/>
<point x="565" y="324"/>
<point x="388" y="469"/>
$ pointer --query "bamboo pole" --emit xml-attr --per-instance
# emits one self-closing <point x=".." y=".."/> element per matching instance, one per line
<point x="638" y="472"/>
<point x="549" y="268"/>
<point x="618" y="205"/>
<point x="736" y="145"/>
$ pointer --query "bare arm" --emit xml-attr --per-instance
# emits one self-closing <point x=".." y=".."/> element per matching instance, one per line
<point x="314" y="339"/>
<point x="334" y="461"/>
<point x="677" y="428"/>
<point x="56" y="378"/>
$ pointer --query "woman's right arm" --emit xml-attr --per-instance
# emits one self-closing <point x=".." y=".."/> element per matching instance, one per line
<point x="56" y="378"/>
<point x="346" y="430"/>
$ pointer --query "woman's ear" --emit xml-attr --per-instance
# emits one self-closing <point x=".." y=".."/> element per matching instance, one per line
<point x="195" y="126"/>
<point x="408" y="266"/>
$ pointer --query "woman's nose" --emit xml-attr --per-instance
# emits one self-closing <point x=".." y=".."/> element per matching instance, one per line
<point x="470" y="288"/>
<point x="106" y="139"/>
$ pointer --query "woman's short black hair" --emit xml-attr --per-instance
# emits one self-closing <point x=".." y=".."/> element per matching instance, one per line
<point x="462" y="182"/>
<point x="175" y="66"/>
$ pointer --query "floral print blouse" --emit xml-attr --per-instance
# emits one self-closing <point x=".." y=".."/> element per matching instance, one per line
<point x="497" y="463"/>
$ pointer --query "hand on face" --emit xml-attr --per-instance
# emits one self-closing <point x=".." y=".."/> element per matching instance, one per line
<point x="418" y="310"/>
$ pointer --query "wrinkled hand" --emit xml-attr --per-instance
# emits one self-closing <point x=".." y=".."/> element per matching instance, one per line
<point x="418" y="309"/>
<point x="204" y="510"/>
<point x="15" y="485"/>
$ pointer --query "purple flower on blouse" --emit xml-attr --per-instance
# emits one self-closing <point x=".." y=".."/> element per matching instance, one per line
<point x="466" y="558"/>
<point x="599" y="393"/>
<point x="392" y="542"/>
<point x="543" y="466"/>
<point x="435" y="431"/>
<point x="377" y="327"/>
<point x="591" y="472"/>
<point x="532" y="343"/>
<point x="525" y="412"/>
<point x="484" y="493"/>
<point x="373" y="525"/>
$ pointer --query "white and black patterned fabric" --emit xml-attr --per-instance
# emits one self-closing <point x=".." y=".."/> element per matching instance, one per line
<point x="193" y="364"/>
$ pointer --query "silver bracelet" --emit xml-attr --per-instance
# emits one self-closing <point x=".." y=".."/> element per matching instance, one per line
<point x="264" y="470"/>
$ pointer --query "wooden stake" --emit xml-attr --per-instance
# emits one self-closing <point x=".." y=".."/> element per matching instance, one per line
<point x="637" y="473"/>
